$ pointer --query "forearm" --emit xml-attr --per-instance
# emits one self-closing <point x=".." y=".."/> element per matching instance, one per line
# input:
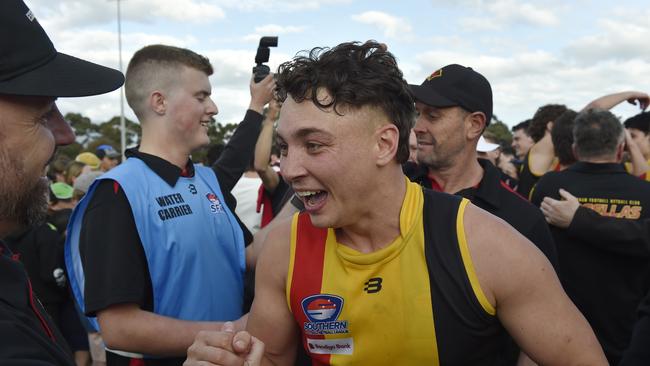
<point x="610" y="101"/>
<point x="238" y="152"/>
<point x="621" y="236"/>
<point x="130" y="329"/>
<point x="263" y="146"/>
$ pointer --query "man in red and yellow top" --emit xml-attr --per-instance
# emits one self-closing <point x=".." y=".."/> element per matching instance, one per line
<point x="378" y="270"/>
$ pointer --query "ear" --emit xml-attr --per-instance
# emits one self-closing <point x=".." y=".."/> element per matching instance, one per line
<point x="474" y="125"/>
<point x="157" y="102"/>
<point x="549" y="126"/>
<point x="387" y="140"/>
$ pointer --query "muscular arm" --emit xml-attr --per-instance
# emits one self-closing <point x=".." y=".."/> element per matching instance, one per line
<point x="126" y="327"/>
<point x="541" y="156"/>
<point x="530" y="302"/>
<point x="253" y="250"/>
<point x="270" y="319"/>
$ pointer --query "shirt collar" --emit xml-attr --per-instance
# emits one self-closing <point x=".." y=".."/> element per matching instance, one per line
<point x="488" y="188"/>
<point x="606" y="168"/>
<point x="169" y="172"/>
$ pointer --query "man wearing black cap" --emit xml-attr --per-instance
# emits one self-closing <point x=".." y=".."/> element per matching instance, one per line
<point x="604" y="277"/>
<point x="454" y="106"/>
<point x="32" y="75"/>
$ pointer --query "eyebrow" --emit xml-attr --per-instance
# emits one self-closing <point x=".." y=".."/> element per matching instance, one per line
<point x="303" y="133"/>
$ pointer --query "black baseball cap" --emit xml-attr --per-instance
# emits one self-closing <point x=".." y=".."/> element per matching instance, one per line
<point x="456" y="85"/>
<point x="30" y="65"/>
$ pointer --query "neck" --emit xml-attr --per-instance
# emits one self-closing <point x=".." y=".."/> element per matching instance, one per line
<point x="164" y="145"/>
<point x="465" y="173"/>
<point x="379" y="224"/>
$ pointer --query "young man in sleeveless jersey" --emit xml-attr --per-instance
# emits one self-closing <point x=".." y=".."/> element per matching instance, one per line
<point x="378" y="270"/>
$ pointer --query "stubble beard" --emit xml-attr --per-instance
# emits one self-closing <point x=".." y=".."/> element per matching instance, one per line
<point x="22" y="201"/>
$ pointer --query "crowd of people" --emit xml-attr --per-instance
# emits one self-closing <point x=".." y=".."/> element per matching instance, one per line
<point x="351" y="219"/>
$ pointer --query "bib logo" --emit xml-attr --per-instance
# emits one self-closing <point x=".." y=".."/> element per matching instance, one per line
<point x="323" y="311"/>
<point x="215" y="206"/>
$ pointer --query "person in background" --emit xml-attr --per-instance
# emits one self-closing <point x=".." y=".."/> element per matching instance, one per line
<point x="90" y="160"/>
<point x="521" y="140"/>
<point x="108" y="156"/>
<point x="159" y="210"/>
<point x="606" y="285"/>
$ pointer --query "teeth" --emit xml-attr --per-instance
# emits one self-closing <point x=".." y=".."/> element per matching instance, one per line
<point x="306" y="193"/>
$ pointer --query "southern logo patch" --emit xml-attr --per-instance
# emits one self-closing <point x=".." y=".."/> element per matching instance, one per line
<point x="323" y="311"/>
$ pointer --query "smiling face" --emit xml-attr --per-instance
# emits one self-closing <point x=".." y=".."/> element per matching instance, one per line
<point x="30" y="128"/>
<point x="440" y="135"/>
<point x="190" y="107"/>
<point x="521" y="142"/>
<point x="329" y="159"/>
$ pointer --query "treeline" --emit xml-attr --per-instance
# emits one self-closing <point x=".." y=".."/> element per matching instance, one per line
<point x="90" y="135"/>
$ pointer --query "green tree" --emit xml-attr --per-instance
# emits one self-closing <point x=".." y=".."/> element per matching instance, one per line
<point x="500" y="131"/>
<point x="82" y="126"/>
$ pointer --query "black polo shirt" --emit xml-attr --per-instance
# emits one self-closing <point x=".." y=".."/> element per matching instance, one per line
<point x="496" y="197"/>
<point x="29" y="337"/>
<point x="605" y="280"/>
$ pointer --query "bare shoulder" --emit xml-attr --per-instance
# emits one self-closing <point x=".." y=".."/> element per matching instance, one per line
<point x="275" y="254"/>
<point x="502" y="257"/>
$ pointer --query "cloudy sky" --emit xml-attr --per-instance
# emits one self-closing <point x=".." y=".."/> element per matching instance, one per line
<point x="533" y="52"/>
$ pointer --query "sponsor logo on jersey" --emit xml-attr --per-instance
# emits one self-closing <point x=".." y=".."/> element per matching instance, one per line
<point x="323" y="312"/>
<point x="342" y="346"/>
<point x="215" y="204"/>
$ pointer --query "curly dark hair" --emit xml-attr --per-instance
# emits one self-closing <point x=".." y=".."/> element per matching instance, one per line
<point x="544" y="115"/>
<point x="640" y="122"/>
<point x="354" y="75"/>
<point x="562" y="136"/>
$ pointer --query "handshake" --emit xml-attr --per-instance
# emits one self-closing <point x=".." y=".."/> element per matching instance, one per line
<point x="225" y="348"/>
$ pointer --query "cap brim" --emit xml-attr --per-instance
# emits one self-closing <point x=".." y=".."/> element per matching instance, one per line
<point x="430" y="97"/>
<point x="64" y="76"/>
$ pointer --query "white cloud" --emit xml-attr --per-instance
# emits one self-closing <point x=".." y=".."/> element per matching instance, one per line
<point x="279" y="6"/>
<point x="272" y="30"/>
<point x="621" y="38"/>
<point x="525" y="81"/>
<point x="78" y="14"/>
<point x="499" y="14"/>
<point x="517" y="11"/>
<point x="392" y="26"/>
